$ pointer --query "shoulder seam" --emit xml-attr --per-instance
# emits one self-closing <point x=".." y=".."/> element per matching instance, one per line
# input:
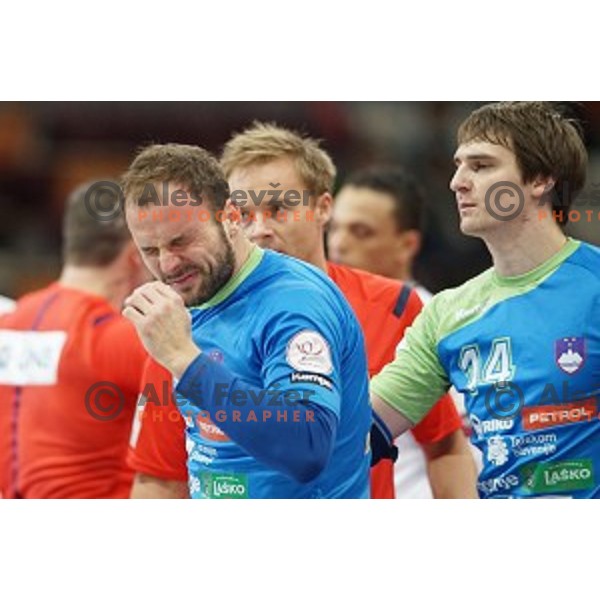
<point x="402" y="301"/>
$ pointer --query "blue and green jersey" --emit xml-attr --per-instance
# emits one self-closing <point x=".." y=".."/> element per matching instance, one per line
<point x="525" y="352"/>
<point x="278" y="338"/>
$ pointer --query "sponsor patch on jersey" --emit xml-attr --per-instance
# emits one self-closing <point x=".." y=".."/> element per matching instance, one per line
<point x="570" y="354"/>
<point x="482" y="428"/>
<point x="321" y="380"/>
<point x="561" y="476"/>
<point x="208" y="430"/>
<point x="498" y="485"/>
<point x="308" y="351"/>
<point x="224" y="486"/>
<point x="30" y="357"/>
<point x="555" y="415"/>
<point x="216" y="355"/>
<point x="497" y="451"/>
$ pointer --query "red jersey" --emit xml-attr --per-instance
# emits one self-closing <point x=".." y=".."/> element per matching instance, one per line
<point x="383" y="307"/>
<point x="69" y="379"/>
<point x="158" y="443"/>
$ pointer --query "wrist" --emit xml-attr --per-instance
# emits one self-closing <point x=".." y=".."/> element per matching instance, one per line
<point x="178" y="363"/>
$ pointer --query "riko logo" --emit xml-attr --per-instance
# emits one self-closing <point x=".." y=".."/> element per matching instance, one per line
<point x="554" y="415"/>
<point x="481" y="428"/>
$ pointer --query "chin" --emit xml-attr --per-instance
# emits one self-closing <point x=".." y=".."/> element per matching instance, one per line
<point x="470" y="228"/>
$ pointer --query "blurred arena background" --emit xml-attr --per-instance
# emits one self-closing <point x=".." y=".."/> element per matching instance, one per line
<point x="47" y="148"/>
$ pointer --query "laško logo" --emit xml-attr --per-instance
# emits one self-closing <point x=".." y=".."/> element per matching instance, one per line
<point x="562" y="476"/>
<point x="224" y="486"/>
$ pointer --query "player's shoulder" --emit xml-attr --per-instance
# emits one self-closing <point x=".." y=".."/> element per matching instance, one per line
<point x="290" y="286"/>
<point x="455" y="307"/>
<point x="371" y="287"/>
<point x="27" y="306"/>
<point x="291" y="275"/>
<point x="587" y="257"/>
<point x="466" y="292"/>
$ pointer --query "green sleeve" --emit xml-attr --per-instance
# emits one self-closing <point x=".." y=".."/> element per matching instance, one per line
<point x="415" y="380"/>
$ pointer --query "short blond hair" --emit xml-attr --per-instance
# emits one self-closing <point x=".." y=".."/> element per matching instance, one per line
<point x="264" y="142"/>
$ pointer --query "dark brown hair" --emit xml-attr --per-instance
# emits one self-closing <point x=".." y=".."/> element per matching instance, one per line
<point x="545" y="143"/>
<point x="407" y="197"/>
<point x="189" y="166"/>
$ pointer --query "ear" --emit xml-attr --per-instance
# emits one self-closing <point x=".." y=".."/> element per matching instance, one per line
<point x="231" y="218"/>
<point x="411" y="240"/>
<point x="410" y="244"/>
<point x="542" y="186"/>
<point x="324" y="209"/>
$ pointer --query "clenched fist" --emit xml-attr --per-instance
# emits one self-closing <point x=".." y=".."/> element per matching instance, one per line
<point x="163" y="324"/>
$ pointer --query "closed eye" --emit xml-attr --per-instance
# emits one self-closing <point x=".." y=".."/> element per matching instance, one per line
<point x="361" y="231"/>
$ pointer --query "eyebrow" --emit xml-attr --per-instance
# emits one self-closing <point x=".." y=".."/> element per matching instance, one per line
<point x="175" y="240"/>
<point x="475" y="157"/>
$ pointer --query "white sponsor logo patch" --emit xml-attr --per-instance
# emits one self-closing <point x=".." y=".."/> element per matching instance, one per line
<point x="30" y="357"/>
<point x="481" y="428"/>
<point x="497" y="451"/>
<point x="309" y="351"/>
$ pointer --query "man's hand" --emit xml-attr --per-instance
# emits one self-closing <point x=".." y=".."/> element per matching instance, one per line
<point x="163" y="324"/>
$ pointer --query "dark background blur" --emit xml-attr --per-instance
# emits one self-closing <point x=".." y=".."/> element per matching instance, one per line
<point x="47" y="148"/>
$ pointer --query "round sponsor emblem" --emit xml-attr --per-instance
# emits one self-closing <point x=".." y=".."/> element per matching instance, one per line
<point x="309" y="351"/>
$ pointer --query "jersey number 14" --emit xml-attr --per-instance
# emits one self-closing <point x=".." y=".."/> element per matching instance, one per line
<point x="498" y="367"/>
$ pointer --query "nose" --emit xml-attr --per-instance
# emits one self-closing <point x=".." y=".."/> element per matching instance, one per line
<point x="168" y="262"/>
<point x="259" y="231"/>
<point x="460" y="181"/>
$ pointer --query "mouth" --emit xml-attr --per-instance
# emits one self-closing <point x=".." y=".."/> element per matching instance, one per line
<point x="183" y="280"/>
<point x="466" y="206"/>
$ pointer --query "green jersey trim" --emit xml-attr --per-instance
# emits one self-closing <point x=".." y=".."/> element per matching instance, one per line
<point x="234" y="283"/>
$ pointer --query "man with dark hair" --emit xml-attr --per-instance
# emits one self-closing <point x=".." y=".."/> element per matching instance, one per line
<point x="71" y="367"/>
<point x="269" y="363"/>
<point x="377" y="225"/>
<point x="520" y="341"/>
